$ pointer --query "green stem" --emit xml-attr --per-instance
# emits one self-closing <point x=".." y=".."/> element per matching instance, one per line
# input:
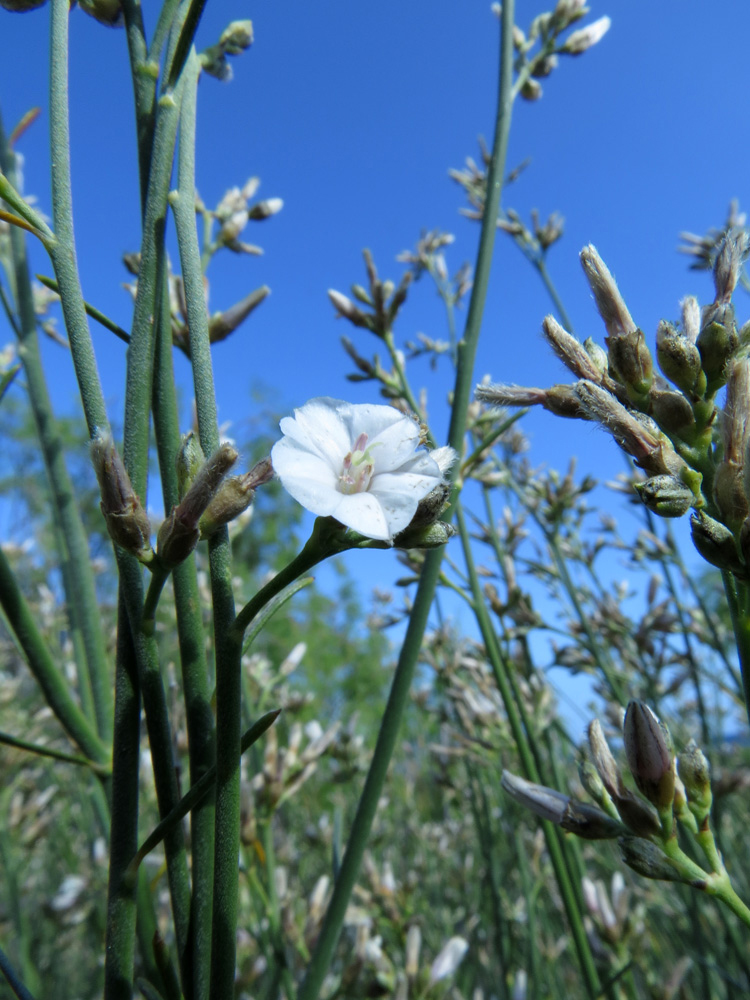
<point x="737" y="594"/>
<point x="123" y="841"/>
<point x="62" y="248"/>
<point x="227" y="642"/>
<point x="39" y="658"/>
<point x="410" y="649"/>
<point x="162" y="755"/>
<point x="195" y="669"/>
<point x="78" y="577"/>
<point x="541" y="267"/>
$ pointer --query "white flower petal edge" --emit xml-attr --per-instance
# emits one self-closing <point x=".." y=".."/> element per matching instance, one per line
<point x="356" y="462"/>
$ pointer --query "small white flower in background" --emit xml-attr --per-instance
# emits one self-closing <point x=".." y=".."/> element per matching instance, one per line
<point x="357" y="463"/>
<point x="67" y="895"/>
<point x="448" y="960"/>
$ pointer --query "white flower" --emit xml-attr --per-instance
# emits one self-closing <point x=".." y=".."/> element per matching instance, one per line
<point x="448" y="960"/>
<point x="357" y="463"/>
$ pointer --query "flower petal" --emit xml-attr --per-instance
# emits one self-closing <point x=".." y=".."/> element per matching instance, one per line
<point x="394" y="444"/>
<point x="306" y="476"/>
<point x="364" y="513"/>
<point x="321" y="426"/>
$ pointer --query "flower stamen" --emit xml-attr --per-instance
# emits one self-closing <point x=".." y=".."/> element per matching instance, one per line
<point x="357" y="468"/>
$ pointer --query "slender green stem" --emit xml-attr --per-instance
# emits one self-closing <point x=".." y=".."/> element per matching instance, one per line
<point x="193" y="661"/>
<point x="40" y="751"/>
<point x="162" y="755"/>
<point x="197" y="792"/>
<point x="541" y="267"/>
<point x="410" y="649"/>
<point x="227" y="643"/>
<point x="42" y="664"/>
<point x="737" y="599"/>
<point x="91" y="311"/>
<point x="12" y="978"/>
<point x="123" y="841"/>
<point x="78" y="577"/>
<point x="62" y="248"/>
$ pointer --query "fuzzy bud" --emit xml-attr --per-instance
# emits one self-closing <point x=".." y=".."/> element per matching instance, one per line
<point x="265" y="209"/>
<point x="672" y="412"/>
<point x="237" y="37"/>
<point x="179" y="533"/>
<point x="233" y="497"/>
<point x="679" y="359"/>
<point x="189" y="461"/>
<point x="695" y="772"/>
<point x="570" y="351"/>
<point x="717" y="342"/>
<point x="715" y="542"/>
<point x="428" y="536"/>
<point x="590" y="823"/>
<point x="645" y="858"/>
<point x="107" y="12"/>
<point x="127" y="522"/>
<point x="630" y="362"/>
<point x="531" y="90"/>
<point x="728" y="265"/>
<point x="609" y="302"/>
<point x="583" y="39"/>
<point x="598" y="356"/>
<point x="346" y="308"/>
<point x="665" y="495"/>
<point x="649" y="757"/>
<point x="223" y="323"/>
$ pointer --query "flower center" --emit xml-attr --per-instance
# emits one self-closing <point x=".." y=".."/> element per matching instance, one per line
<point x="356" y="470"/>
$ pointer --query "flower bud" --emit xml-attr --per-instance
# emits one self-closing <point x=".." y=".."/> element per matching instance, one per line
<point x="649" y="758"/>
<point x="544" y="802"/>
<point x="127" y="522"/>
<point x="233" y="497"/>
<point x="728" y="265"/>
<point x="221" y="324"/>
<point x="609" y="302"/>
<point x="603" y="760"/>
<point x="630" y="361"/>
<point x="717" y="342"/>
<point x="715" y="542"/>
<point x="590" y="823"/>
<point x="598" y="356"/>
<point x="695" y="772"/>
<point x="679" y="359"/>
<point x="179" y="533"/>
<point x="237" y="37"/>
<point x="665" y="495"/>
<point x="583" y="39"/>
<point x="531" y="90"/>
<point x="346" y="308"/>
<point x="189" y="461"/>
<point x="644" y="857"/>
<point x="570" y="351"/>
<point x="107" y="12"/>
<point x="672" y="412"/>
<point x="265" y="209"/>
<point x="21" y="6"/>
<point x="430" y="536"/>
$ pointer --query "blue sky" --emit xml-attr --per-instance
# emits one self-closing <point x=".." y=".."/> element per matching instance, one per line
<point x="353" y="113"/>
